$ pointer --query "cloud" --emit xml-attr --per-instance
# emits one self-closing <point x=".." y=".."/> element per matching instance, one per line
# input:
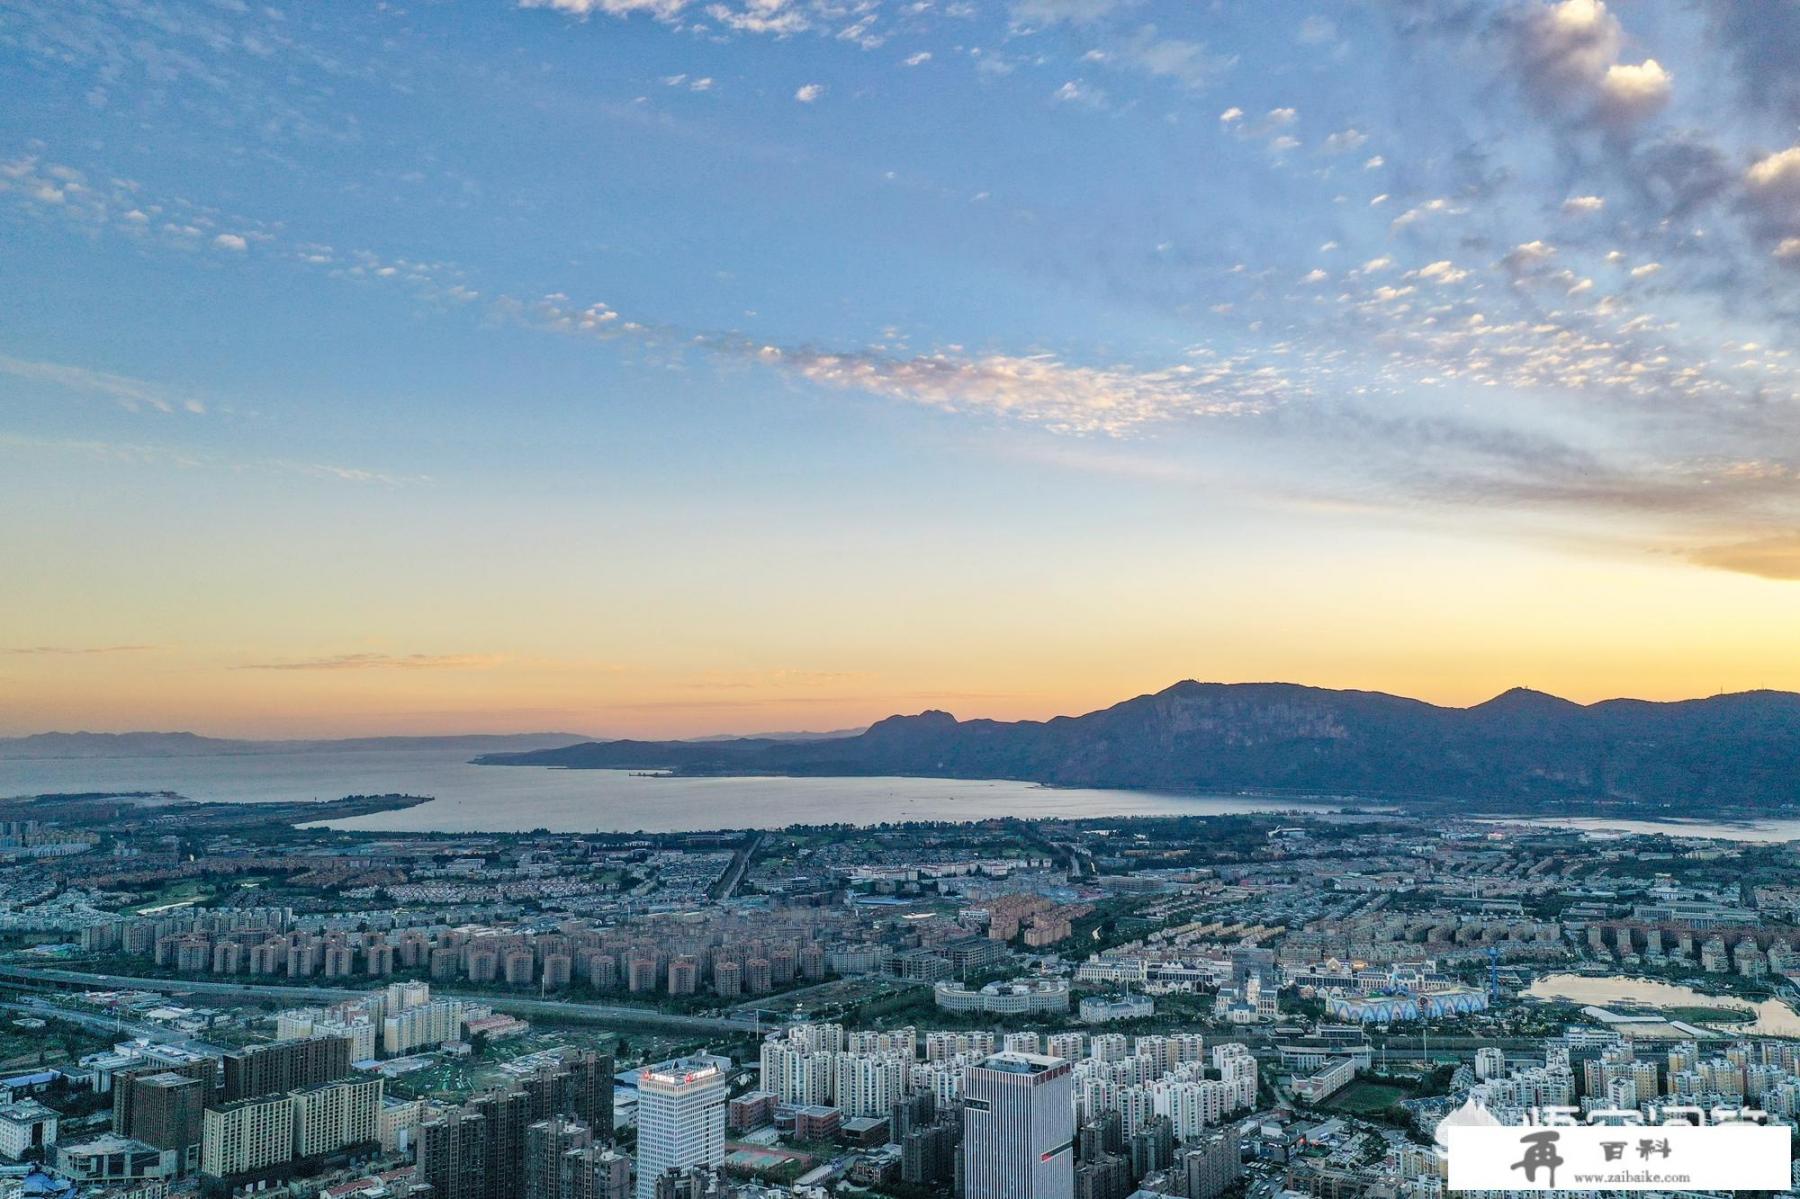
<point x="131" y="394"/>
<point x="1438" y="206"/>
<point x="1564" y="50"/>
<point x="1772" y="191"/>
<point x="1566" y="56"/>
<point x="1443" y="271"/>
<point x="375" y="661"/>
<point x="1077" y="91"/>
<point x="1526" y="255"/>
<point x="1629" y="94"/>
<point x="1043" y="390"/>
<point x="1231" y="115"/>
<point x="1582" y="205"/>
<point x="1776" y="557"/>
<point x="662" y="10"/>
<point x="810" y="92"/>
<point x="1188" y="63"/>
<point x="778" y="18"/>
<point x="1788" y="250"/>
<point x="1039" y="13"/>
<point x="231" y="241"/>
<point x="1344" y="141"/>
<point x="918" y="60"/>
<point x="1776" y="177"/>
<point x="74" y="651"/>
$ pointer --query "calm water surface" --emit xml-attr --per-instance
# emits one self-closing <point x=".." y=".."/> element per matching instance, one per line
<point x="519" y="798"/>
<point x="1773" y="1017"/>
<point x="1757" y="831"/>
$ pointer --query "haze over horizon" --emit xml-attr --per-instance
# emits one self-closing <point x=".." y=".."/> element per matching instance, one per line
<point x="668" y="368"/>
<point x="961" y="716"/>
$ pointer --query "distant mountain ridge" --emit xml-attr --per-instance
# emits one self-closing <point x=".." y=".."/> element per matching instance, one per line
<point x="192" y="745"/>
<point x="1520" y="750"/>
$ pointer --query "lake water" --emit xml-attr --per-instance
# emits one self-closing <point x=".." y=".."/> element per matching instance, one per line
<point x="1773" y="1017"/>
<point x="518" y="798"/>
<point x="1757" y="831"/>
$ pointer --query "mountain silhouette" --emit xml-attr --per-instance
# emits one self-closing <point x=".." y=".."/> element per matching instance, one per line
<point x="1520" y="750"/>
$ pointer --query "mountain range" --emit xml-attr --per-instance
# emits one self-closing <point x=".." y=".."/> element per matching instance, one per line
<point x="1520" y="751"/>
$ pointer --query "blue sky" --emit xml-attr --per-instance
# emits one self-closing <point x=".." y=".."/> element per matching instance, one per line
<point x="364" y="366"/>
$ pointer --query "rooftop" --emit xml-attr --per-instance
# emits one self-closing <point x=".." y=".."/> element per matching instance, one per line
<point x="1021" y="1063"/>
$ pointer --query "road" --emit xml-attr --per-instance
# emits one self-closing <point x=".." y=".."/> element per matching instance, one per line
<point x="113" y="1026"/>
<point x="557" y="1009"/>
<point x="733" y="877"/>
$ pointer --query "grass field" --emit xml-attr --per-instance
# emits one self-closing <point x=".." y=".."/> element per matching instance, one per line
<point x="1710" y="1015"/>
<point x="1361" y="1097"/>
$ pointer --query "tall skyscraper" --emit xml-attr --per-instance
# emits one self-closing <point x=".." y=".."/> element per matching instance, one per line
<point x="1019" y="1128"/>
<point x="681" y="1118"/>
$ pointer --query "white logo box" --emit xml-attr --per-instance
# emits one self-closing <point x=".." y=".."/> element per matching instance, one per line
<point x="1655" y="1157"/>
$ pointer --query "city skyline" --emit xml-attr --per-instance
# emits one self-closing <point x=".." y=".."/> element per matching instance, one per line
<point x="660" y="368"/>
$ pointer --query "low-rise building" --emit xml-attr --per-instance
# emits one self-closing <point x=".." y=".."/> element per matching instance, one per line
<point x="1020" y="997"/>
<point x="27" y="1128"/>
<point x="110" y="1159"/>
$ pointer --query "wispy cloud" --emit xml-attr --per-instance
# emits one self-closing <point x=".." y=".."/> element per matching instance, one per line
<point x="1041" y="389"/>
<point x="379" y="661"/>
<point x="132" y="394"/>
<point x="74" y="651"/>
<point x="143" y="454"/>
<point x="1775" y="557"/>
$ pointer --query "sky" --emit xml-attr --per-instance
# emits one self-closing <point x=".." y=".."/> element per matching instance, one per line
<point x="669" y="367"/>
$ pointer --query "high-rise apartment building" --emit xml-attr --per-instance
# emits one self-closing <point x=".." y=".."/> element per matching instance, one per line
<point x="427" y="1024"/>
<point x="247" y="1137"/>
<point x="283" y="1066"/>
<point x="560" y="1160"/>
<point x="453" y="1154"/>
<point x="336" y="1115"/>
<point x="164" y="1110"/>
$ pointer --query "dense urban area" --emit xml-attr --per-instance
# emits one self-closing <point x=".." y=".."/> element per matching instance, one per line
<point x="226" y="999"/>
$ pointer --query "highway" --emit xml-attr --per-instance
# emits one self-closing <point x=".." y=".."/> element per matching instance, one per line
<point x="551" y="1009"/>
<point x="113" y="1026"/>
<point x="733" y="877"/>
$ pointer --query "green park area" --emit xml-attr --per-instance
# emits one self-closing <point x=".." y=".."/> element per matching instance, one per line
<point x="1366" y="1096"/>
<point x="1711" y="1015"/>
<point x="24" y="1046"/>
